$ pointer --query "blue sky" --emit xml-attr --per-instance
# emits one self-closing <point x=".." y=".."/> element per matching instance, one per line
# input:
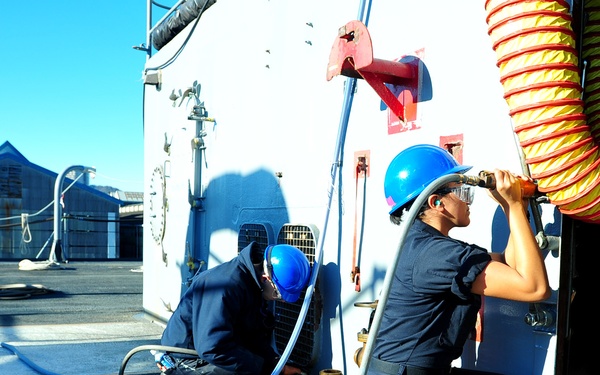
<point x="70" y="86"/>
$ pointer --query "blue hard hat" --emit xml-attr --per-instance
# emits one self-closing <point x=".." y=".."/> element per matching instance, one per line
<point x="413" y="169"/>
<point x="289" y="269"/>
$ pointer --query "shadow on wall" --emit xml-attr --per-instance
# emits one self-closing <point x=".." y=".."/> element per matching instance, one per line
<point x="230" y="201"/>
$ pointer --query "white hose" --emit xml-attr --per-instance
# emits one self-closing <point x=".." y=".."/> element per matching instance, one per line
<point x="389" y="275"/>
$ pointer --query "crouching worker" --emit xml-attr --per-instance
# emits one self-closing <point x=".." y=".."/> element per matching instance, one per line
<point x="225" y="314"/>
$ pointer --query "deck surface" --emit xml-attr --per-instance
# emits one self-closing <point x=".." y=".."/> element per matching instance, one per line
<point x="81" y="318"/>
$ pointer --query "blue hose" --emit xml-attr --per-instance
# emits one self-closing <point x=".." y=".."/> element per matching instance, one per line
<point x="343" y="126"/>
<point x="26" y="360"/>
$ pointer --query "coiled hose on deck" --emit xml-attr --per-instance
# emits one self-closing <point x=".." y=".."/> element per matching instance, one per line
<point x="535" y="48"/>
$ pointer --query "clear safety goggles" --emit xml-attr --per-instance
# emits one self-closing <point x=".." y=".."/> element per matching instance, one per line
<point x="268" y="267"/>
<point x="465" y="193"/>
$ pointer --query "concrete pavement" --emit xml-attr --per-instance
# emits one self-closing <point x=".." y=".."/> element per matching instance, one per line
<point x="81" y="318"/>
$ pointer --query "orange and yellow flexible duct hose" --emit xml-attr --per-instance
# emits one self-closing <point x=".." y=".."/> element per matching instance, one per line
<point x="558" y="130"/>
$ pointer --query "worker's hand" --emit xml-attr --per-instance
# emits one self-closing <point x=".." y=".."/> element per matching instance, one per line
<point x="508" y="188"/>
<point x="290" y="370"/>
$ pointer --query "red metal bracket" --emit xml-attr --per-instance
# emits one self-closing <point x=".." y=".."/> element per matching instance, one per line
<point x="352" y="56"/>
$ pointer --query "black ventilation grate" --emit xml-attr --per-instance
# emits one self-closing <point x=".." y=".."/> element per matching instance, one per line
<point x="304" y="238"/>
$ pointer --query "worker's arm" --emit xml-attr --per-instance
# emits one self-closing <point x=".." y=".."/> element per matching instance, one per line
<point x="290" y="370"/>
<point x="521" y="273"/>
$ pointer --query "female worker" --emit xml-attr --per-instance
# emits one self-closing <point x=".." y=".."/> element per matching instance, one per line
<point x="438" y="283"/>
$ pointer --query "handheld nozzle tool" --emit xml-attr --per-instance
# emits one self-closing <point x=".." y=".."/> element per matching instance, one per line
<point x="488" y="180"/>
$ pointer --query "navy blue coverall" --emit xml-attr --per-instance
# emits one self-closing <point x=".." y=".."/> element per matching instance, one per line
<point x="430" y="311"/>
<point x="224" y="317"/>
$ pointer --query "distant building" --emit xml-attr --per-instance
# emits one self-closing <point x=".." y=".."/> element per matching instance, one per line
<point x="95" y="224"/>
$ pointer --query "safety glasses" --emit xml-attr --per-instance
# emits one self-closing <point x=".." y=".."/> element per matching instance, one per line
<point x="465" y="193"/>
<point x="268" y="267"/>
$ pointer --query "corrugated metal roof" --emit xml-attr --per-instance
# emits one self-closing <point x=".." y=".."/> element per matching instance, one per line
<point x="128" y="196"/>
<point x="8" y="151"/>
